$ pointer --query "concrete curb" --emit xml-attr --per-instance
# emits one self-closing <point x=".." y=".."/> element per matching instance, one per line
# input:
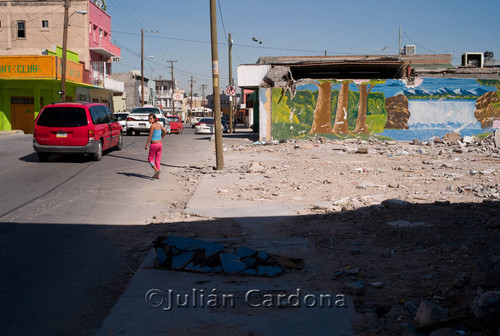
<point x="11" y="132"/>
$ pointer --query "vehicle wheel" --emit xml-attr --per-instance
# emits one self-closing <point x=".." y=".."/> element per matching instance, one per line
<point x="98" y="154"/>
<point x="129" y="132"/>
<point x="43" y="157"/>
<point x="137" y="133"/>
<point x="119" y="145"/>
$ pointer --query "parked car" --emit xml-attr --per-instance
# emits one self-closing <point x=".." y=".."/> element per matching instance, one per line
<point x="205" y="126"/>
<point x="137" y="120"/>
<point x="122" y="118"/>
<point x="225" y="126"/>
<point x="80" y="127"/>
<point x="176" y="124"/>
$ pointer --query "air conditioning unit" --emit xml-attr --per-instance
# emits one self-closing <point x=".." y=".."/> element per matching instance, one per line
<point x="473" y="59"/>
<point x="409" y="49"/>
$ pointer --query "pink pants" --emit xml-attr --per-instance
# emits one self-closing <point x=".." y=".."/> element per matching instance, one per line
<point x="154" y="156"/>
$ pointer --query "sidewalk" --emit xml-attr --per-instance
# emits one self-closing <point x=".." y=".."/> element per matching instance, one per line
<point x="132" y="315"/>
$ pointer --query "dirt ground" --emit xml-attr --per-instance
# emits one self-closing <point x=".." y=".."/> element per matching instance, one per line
<point x="396" y="224"/>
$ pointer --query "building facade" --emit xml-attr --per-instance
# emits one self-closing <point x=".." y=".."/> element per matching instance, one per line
<point x="31" y="36"/>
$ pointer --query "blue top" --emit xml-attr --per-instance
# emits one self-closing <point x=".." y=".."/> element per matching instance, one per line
<point x="156" y="135"/>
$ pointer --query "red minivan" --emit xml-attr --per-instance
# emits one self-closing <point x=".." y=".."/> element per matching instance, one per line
<point x="76" y="127"/>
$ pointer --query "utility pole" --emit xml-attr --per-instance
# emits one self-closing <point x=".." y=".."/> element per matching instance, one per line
<point x="219" y="158"/>
<point x="399" y="45"/>
<point x="64" y="50"/>
<point x="173" y="86"/>
<point x="203" y="86"/>
<point x="231" y="105"/>
<point x="192" y="81"/>
<point x="142" y="67"/>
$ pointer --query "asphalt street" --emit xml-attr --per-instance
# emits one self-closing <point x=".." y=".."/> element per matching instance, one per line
<point x="62" y="266"/>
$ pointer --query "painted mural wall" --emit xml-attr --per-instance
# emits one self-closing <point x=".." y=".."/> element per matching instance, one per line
<point x="431" y="107"/>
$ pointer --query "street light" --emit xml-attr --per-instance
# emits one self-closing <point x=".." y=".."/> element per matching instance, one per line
<point x="62" y="92"/>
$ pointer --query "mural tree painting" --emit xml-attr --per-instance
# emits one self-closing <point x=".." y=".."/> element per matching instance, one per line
<point x="489" y="82"/>
<point x="488" y="105"/>
<point x="322" y="123"/>
<point x="340" y="126"/>
<point x="364" y="91"/>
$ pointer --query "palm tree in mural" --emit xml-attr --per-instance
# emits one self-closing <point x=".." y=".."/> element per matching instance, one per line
<point x="322" y="122"/>
<point x="489" y="82"/>
<point x="340" y="126"/>
<point x="364" y="91"/>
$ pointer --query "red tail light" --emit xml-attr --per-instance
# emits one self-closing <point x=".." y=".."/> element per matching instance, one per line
<point x="91" y="135"/>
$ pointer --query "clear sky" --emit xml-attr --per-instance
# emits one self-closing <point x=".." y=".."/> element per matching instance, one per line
<point x="180" y="31"/>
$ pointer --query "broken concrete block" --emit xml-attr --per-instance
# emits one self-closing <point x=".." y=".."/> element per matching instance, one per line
<point x="411" y="308"/>
<point x="429" y="313"/>
<point x="451" y="137"/>
<point x="362" y="150"/>
<point x="377" y="284"/>
<point x="249" y="271"/>
<point x="398" y="312"/>
<point x="245" y="252"/>
<point x="212" y="249"/>
<point x="181" y="243"/>
<point x="395" y="203"/>
<point x="161" y="256"/>
<point x="355" y="287"/>
<point x="270" y="271"/>
<point x="263" y="255"/>
<point x="249" y="261"/>
<point x="182" y="259"/>
<point x="231" y="263"/>
<point x="287" y="262"/>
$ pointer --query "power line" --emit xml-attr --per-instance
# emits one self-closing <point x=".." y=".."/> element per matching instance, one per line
<point x="222" y="20"/>
<point x="419" y="45"/>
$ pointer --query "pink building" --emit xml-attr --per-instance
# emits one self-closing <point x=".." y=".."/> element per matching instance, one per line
<point x="102" y="51"/>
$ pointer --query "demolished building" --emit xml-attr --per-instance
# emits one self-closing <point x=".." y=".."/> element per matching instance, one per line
<point x="401" y="97"/>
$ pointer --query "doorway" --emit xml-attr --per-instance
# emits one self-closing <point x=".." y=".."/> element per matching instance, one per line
<point x="22" y="114"/>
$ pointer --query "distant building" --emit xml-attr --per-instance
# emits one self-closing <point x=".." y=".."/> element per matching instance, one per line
<point x="132" y="87"/>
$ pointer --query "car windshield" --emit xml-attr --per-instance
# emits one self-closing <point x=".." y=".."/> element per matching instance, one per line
<point x="121" y="116"/>
<point x="173" y="119"/>
<point x="207" y="120"/>
<point x="63" y="117"/>
<point x="145" y="110"/>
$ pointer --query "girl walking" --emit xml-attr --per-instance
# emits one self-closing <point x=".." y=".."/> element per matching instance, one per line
<point x="156" y="134"/>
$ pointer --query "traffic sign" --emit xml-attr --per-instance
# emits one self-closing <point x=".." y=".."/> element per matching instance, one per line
<point x="230" y="91"/>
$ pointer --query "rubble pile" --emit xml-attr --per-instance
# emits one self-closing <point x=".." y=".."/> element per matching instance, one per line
<point x="337" y="175"/>
<point x="194" y="255"/>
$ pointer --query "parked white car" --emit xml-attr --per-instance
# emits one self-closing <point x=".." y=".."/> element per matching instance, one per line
<point x="122" y="118"/>
<point x="137" y="120"/>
